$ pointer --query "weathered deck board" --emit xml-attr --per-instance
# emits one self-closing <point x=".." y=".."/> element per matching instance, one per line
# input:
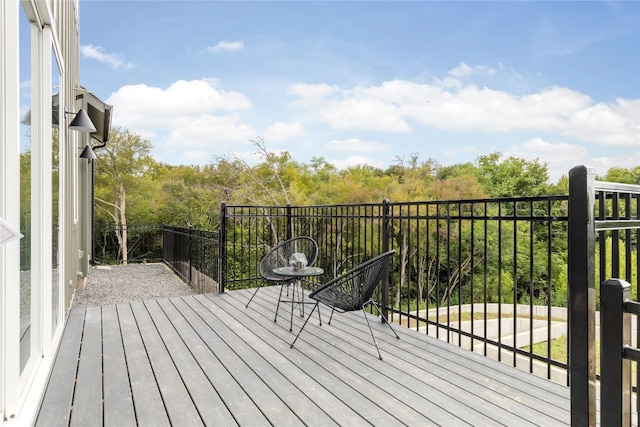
<point x="118" y="402"/>
<point x="450" y="401"/>
<point x="89" y="384"/>
<point x="144" y="387"/>
<point x="60" y="396"/>
<point x="208" y="360"/>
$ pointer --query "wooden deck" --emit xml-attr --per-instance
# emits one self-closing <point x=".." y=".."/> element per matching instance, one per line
<point x="208" y="360"/>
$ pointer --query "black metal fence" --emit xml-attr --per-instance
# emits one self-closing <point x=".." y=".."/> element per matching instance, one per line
<point x="488" y="275"/>
<point x="194" y="255"/>
<point x="604" y="229"/>
<point x="143" y="243"/>
<point x="618" y="352"/>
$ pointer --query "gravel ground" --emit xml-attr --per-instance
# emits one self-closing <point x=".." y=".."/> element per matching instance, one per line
<point x="123" y="283"/>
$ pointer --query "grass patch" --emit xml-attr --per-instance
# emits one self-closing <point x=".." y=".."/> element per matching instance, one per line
<point x="558" y="348"/>
<point x="453" y="317"/>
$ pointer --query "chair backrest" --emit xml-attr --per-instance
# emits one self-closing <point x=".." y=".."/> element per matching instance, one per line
<point x="353" y="289"/>
<point x="280" y="254"/>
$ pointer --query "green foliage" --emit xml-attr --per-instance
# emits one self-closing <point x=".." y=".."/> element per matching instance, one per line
<point x="512" y="177"/>
<point x="623" y="260"/>
<point x="622" y="175"/>
<point x="191" y="195"/>
<point x="124" y="179"/>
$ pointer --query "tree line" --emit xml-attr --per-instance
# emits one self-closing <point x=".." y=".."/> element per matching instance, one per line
<point x="133" y="188"/>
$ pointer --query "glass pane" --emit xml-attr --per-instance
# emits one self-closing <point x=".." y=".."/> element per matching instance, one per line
<point x="55" y="192"/>
<point x="25" y="189"/>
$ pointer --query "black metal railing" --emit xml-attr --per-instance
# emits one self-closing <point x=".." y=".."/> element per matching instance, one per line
<point x="194" y="255"/>
<point x="462" y="268"/>
<point x="618" y="353"/>
<point x="604" y="229"/>
<point x="346" y="236"/>
<point x="143" y="243"/>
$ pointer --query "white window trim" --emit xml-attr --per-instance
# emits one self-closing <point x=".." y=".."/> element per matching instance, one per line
<point x="20" y="395"/>
<point x="9" y="209"/>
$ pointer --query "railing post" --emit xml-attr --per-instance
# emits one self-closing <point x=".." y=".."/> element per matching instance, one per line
<point x="164" y="245"/>
<point x="581" y="296"/>
<point x="385" y="247"/>
<point x="190" y="254"/>
<point x="615" y="370"/>
<point x="222" y="247"/>
<point x="289" y="222"/>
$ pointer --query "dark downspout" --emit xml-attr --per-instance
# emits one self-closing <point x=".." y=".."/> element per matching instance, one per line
<point x="93" y="203"/>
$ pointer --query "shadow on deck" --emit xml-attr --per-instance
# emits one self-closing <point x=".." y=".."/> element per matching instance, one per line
<point x="208" y="360"/>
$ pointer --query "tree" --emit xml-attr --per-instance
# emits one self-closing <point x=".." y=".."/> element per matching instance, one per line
<point x="123" y="167"/>
<point x="189" y="196"/>
<point x="622" y="175"/>
<point x="512" y="177"/>
<point x="261" y="184"/>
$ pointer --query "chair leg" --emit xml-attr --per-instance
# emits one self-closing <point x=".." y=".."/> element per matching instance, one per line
<point x="384" y="318"/>
<point x="275" y="319"/>
<point x="371" y="330"/>
<point x="304" y="324"/>
<point x="254" y="294"/>
<point x="301" y="299"/>
<point x="331" y="317"/>
<point x="293" y="303"/>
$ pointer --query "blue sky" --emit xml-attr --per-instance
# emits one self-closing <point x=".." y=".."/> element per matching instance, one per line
<point x="371" y="82"/>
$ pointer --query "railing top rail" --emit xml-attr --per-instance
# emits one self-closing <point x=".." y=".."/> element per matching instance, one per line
<point x="421" y="202"/>
<point x="303" y="206"/>
<point x="489" y="200"/>
<point x="616" y="187"/>
<point x="617" y="224"/>
<point x="632" y="307"/>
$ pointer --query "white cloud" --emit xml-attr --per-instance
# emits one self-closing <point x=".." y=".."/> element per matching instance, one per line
<point x="560" y="152"/>
<point x="190" y="115"/>
<point x="463" y="70"/>
<point x="365" y="112"/>
<point x="616" y="124"/>
<point x="454" y="152"/>
<point x="342" y="164"/>
<point x="209" y="131"/>
<point x="488" y="110"/>
<point x="113" y="60"/>
<point x="560" y="157"/>
<point x="141" y="104"/>
<point x="193" y="157"/>
<point x="310" y="95"/>
<point x="281" y="131"/>
<point x="198" y="117"/>
<point x="354" y="145"/>
<point x="626" y="160"/>
<point x="226" y="46"/>
<point x="400" y="106"/>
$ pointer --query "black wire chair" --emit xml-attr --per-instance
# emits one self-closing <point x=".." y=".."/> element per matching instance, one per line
<point x="353" y="291"/>
<point x="279" y="257"/>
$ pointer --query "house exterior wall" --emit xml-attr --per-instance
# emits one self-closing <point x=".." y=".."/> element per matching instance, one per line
<point x="39" y="58"/>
